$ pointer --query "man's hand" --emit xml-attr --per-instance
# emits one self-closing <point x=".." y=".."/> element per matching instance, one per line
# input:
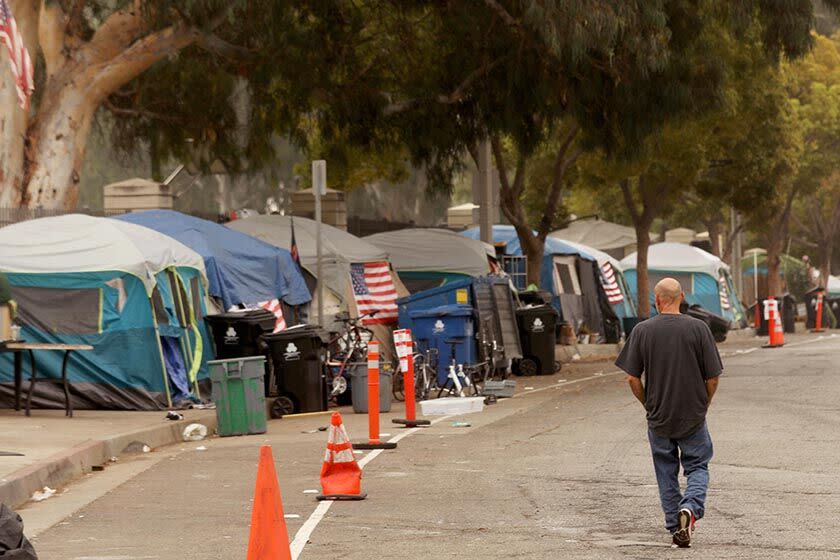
<point x="711" y="387"/>
<point x="637" y="388"/>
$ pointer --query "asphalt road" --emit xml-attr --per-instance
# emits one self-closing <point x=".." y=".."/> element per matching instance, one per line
<point x="562" y="472"/>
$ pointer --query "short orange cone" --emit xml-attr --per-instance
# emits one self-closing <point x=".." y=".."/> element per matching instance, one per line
<point x="341" y="476"/>
<point x="775" y="328"/>
<point x="269" y="539"/>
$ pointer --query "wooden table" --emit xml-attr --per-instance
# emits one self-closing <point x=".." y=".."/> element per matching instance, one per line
<point x="19" y="347"/>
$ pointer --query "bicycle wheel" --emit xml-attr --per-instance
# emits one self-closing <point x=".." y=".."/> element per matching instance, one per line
<point x="398" y="385"/>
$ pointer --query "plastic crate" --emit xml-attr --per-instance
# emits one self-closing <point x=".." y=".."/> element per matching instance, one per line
<point x="452" y="405"/>
<point x="501" y="389"/>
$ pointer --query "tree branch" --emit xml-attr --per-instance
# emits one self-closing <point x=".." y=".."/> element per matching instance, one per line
<point x="212" y="43"/>
<point x="561" y="166"/>
<point x="133" y="61"/>
<point x="455" y="96"/>
<point x="51" y="36"/>
<point x="624" y="184"/>
<point x="137" y="112"/>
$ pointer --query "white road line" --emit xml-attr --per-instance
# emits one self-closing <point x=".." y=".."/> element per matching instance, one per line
<point x="306" y="530"/>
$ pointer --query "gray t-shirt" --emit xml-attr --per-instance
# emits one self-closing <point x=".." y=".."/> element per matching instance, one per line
<point x="676" y="354"/>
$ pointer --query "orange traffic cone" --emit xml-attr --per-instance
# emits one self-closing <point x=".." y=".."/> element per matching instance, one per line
<point x="775" y="328"/>
<point x="818" y="323"/>
<point x="341" y="476"/>
<point x="269" y="539"/>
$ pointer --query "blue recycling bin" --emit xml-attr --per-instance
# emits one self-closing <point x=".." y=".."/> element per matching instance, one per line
<point x="458" y="292"/>
<point x="433" y="327"/>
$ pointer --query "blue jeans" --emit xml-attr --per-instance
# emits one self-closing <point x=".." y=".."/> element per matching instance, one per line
<point x="695" y="452"/>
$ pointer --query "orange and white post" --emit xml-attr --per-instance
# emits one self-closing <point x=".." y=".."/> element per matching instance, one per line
<point x="774" y="324"/>
<point x="818" y="324"/>
<point x="405" y="351"/>
<point x="373" y="402"/>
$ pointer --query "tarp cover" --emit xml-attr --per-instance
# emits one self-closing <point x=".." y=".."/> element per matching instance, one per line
<point x="678" y="257"/>
<point x="507" y="235"/>
<point x="339" y="248"/>
<point x="434" y="250"/>
<point x="78" y="243"/>
<point x="598" y="234"/>
<point x="240" y="268"/>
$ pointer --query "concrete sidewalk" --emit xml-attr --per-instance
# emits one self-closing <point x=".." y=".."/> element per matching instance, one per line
<point x="57" y="450"/>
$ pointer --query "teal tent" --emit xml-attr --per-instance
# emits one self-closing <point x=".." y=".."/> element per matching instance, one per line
<point x="136" y="296"/>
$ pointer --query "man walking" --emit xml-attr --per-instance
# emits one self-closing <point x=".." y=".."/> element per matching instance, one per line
<point x="680" y="363"/>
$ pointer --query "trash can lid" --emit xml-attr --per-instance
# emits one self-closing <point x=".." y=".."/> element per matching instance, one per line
<point x="542" y="309"/>
<point x="455" y="310"/>
<point x="296" y="332"/>
<point x="249" y="316"/>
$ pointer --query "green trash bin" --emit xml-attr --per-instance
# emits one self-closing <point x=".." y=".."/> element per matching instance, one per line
<point x="239" y="394"/>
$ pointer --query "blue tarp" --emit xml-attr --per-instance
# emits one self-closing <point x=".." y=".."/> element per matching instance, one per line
<point x="240" y="268"/>
<point x="508" y="236"/>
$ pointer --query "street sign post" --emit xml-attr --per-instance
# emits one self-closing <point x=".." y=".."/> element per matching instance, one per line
<point x="319" y="189"/>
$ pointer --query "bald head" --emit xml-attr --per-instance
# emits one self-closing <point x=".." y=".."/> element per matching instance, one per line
<point x="669" y="295"/>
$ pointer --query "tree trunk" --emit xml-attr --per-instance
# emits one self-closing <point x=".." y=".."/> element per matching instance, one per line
<point x="825" y="269"/>
<point x="774" y="251"/>
<point x="55" y="150"/>
<point x="714" y="229"/>
<point x="534" y="249"/>
<point x="642" y="277"/>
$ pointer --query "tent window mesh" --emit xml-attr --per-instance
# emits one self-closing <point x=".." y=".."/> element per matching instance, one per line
<point x="516" y="267"/>
<point x="195" y="289"/>
<point x="161" y="315"/>
<point x="59" y="310"/>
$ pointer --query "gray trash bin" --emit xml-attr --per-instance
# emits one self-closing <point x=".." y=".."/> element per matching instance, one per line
<point x="359" y="389"/>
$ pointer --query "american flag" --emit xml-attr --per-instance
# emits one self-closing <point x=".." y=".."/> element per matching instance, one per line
<point x="614" y="295"/>
<point x="724" y="293"/>
<point x="277" y="309"/>
<point x="18" y="55"/>
<point x="374" y="290"/>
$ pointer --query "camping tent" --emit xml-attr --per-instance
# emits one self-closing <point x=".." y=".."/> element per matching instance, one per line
<point x="704" y="278"/>
<point x="429" y="258"/>
<point x="135" y="295"/>
<point x="342" y="255"/>
<point x="612" y="277"/>
<point x="241" y="269"/>
<point x="833" y="288"/>
<point x="573" y="278"/>
<point x="793" y="275"/>
<point x="614" y="239"/>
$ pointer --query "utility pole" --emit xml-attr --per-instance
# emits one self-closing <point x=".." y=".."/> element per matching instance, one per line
<point x="319" y="188"/>
<point x="485" y="192"/>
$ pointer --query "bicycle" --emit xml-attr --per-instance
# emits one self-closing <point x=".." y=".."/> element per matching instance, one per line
<point x="346" y="348"/>
<point x="425" y="376"/>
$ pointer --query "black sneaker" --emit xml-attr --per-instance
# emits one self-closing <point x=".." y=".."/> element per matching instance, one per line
<point x="685" y="521"/>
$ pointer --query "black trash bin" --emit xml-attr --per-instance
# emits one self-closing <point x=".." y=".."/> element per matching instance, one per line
<point x="536" y="332"/>
<point x="717" y="324"/>
<point x="296" y="356"/>
<point x="788" y="311"/>
<point x="237" y="334"/>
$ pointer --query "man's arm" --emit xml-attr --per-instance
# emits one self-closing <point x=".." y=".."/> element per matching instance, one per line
<point x="637" y="388"/>
<point x="711" y="387"/>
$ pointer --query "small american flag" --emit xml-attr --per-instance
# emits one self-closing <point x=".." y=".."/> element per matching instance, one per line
<point x="277" y="309"/>
<point x="18" y="55"/>
<point x="374" y="290"/>
<point x="610" y="283"/>
<point x="724" y="293"/>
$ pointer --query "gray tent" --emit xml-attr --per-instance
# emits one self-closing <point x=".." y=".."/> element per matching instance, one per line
<point x="428" y="258"/>
<point x="614" y="239"/>
<point x="339" y="251"/>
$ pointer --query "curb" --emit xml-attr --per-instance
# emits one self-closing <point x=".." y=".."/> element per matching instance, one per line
<point x="68" y="465"/>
